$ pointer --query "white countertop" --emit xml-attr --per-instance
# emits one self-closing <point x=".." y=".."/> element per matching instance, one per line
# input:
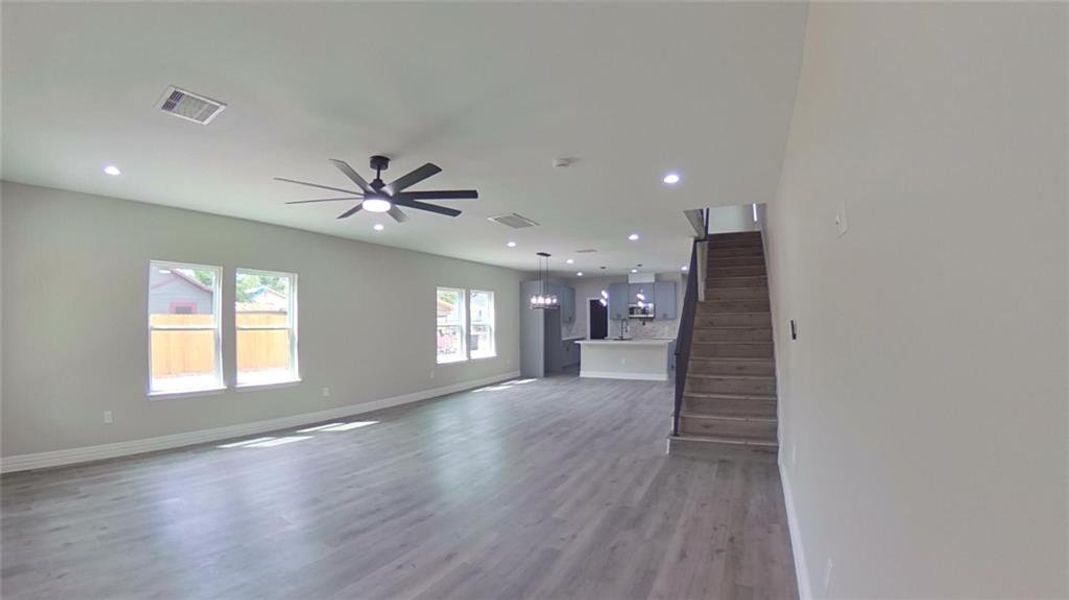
<point x="632" y="342"/>
<point x="573" y="338"/>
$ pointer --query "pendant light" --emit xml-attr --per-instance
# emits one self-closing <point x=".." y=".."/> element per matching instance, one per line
<point x="543" y="299"/>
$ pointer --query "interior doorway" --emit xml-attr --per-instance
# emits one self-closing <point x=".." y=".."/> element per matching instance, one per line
<point x="597" y="322"/>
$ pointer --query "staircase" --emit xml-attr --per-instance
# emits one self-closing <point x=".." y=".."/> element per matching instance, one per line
<point x="729" y="399"/>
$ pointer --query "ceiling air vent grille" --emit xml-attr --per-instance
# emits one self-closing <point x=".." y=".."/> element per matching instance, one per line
<point x="513" y="220"/>
<point x="586" y="251"/>
<point x="189" y="106"/>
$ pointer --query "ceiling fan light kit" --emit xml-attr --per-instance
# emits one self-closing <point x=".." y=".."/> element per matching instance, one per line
<point x="380" y="197"/>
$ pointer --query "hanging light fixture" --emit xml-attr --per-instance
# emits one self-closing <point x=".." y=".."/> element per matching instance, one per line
<point x="543" y="300"/>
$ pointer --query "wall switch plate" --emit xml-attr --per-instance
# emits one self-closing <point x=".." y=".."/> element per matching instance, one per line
<point x="841" y="224"/>
<point x="827" y="575"/>
<point x="794" y="453"/>
<point x="326" y="392"/>
<point x="108" y="417"/>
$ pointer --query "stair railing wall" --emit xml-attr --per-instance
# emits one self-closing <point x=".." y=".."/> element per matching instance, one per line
<point x="695" y="290"/>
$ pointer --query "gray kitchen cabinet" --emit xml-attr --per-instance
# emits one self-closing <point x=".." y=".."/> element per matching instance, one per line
<point x="618" y="301"/>
<point x="634" y="289"/>
<point x="665" y="300"/>
<point x="567" y="305"/>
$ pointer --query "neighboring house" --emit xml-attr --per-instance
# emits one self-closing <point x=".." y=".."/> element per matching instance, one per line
<point x="172" y="292"/>
<point x="265" y="300"/>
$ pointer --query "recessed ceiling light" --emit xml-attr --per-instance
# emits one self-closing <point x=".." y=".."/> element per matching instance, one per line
<point x="570" y="261"/>
<point x="112" y="170"/>
<point x="633" y="237"/>
<point x="634" y="270"/>
<point x="671" y="178"/>
<point x="684" y="268"/>
<point x="511" y="244"/>
<point x="378" y="227"/>
<point x="579" y="274"/>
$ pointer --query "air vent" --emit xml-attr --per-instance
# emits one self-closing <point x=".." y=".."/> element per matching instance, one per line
<point x="586" y="251"/>
<point x="514" y="221"/>
<point x="190" y="106"/>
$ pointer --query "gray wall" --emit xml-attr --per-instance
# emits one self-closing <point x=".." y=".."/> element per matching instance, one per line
<point x="367" y="318"/>
<point x="923" y="405"/>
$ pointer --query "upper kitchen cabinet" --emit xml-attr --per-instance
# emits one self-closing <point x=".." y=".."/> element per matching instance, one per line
<point x="664" y="299"/>
<point x="618" y="301"/>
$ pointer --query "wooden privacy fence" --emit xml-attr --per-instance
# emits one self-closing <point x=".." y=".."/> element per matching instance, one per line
<point x="182" y="352"/>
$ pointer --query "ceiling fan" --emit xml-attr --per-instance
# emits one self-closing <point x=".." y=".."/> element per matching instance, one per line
<point x="380" y="197"/>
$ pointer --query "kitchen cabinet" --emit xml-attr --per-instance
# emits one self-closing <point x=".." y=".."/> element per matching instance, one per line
<point x="634" y="289"/>
<point x="567" y="305"/>
<point x="618" y="301"/>
<point x="665" y="299"/>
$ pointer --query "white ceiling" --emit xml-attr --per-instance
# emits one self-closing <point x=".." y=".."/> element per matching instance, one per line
<point x="490" y="92"/>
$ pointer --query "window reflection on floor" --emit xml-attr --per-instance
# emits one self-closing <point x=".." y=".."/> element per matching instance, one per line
<point x="497" y="387"/>
<point x="270" y="441"/>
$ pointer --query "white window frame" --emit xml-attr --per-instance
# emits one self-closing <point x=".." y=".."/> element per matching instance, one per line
<point x="291" y="326"/>
<point x="492" y="324"/>
<point x="217" y="328"/>
<point x="464" y="327"/>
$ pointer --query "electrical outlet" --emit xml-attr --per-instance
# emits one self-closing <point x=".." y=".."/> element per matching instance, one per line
<point x="841" y="225"/>
<point x="326" y="392"/>
<point x="827" y="575"/>
<point x="108" y="418"/>
<point x="432" y="373"/>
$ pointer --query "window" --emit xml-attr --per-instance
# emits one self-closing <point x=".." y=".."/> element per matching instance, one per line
<point x="265" y="317"/>
<point x="451" y="322"/>
<point x="482" y="324"/>
<point x="183" y="322"/>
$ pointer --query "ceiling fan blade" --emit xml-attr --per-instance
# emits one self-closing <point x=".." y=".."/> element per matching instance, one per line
<point x="352" y="174"/>
<point x="325" y="187"/>
<point x="323" y="200"/>
<point x="440" y="195"/>
<point x="450" y="212"/>
<point x="412" y="178"/>
<point x="397" y="214"/>
<point x="352" y="211"/>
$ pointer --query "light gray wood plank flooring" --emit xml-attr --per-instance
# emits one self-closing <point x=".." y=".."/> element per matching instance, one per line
<point x="556" y="488"/>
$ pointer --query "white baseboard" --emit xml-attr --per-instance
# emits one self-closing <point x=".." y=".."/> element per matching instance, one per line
<point x="55" y="458"/>
<point x="805" y="592"/>
<point x="624" y="375"/>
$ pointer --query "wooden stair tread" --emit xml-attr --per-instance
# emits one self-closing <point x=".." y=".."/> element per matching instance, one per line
<point x="723" y="440"/>
<point x="727" y="396"/>
<point x="714" y="376"/>
<point x="736" y="418"/>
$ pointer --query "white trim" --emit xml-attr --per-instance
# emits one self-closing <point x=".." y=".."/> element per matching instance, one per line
<point x="805" y="592"/>
<point x="55" y="458"/>
<point x="624" y="375"/>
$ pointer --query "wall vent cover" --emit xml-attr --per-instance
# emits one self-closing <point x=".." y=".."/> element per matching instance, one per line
<point x="189" y="106"/>
<point x="586" y="251"/>
<point x="515" y="221"/>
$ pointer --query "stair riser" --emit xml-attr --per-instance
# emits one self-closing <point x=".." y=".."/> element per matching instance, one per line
<point x="728" y="428"/>
<point x="735" y="271"/>
<point x="725" y="260"/>
<point x="728" y="385"/>
<point x="735" y="282"/>
<point x="710" y="307"/>
<point x="735" y="293"/>
<point x="760" y="319"/>
<point x="735" y="236"/>
<point x="716" y="245"/>
<point x="707" y="349"/>
<point x="739" y="407"/>
<point x="732" y="367"/>
<point x="755" y="334"/>
<point x="718" y="451"/>
<point x="726" y="251"/>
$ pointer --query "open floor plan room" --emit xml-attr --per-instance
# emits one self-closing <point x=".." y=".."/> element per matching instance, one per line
<point x="534" y="300"/>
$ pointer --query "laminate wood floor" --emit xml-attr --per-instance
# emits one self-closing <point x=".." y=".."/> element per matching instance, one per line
<point x="556" y="488"/>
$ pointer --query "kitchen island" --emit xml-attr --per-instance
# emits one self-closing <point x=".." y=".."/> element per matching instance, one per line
<point x="648" y="359"/>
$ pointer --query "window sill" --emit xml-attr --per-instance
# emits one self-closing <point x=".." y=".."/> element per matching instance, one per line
<point x="250" y="387"/>
<point x="452" y="361"/>
<point x="212" y="391"/>
<point x="484" y="357"/>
